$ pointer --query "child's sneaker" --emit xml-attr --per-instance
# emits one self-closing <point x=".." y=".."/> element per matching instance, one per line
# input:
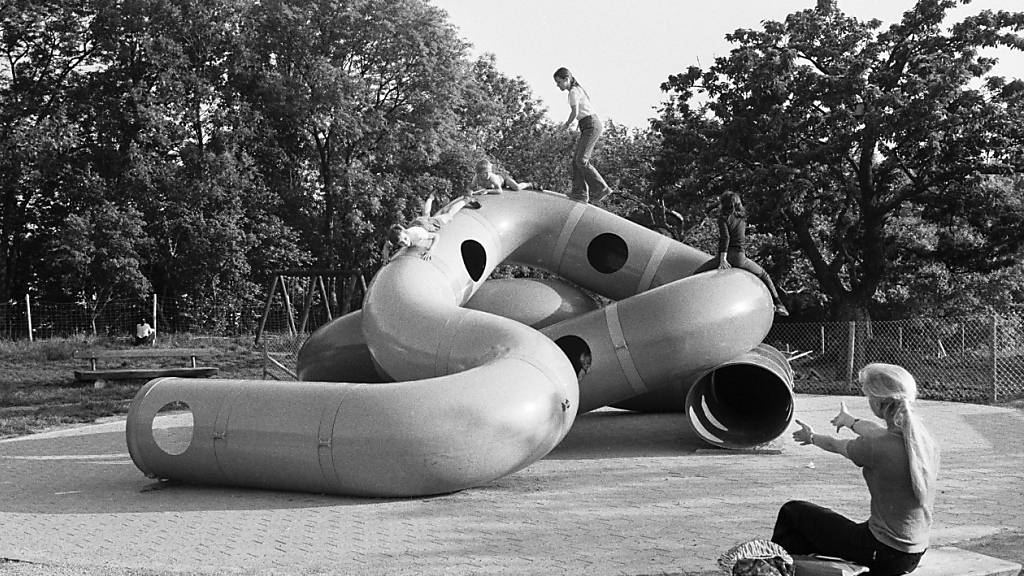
<point x="781" y="310"/>
<point x="474" y="204"/>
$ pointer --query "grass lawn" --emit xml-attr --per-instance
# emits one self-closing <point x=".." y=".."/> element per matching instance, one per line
<point x="38" y="390"/>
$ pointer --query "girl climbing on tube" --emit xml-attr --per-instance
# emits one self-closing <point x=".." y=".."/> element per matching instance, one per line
<point x="587" y="182"/>
<point x="900" y="461"/>
<point x="494" y="181"/>
<point x="422" y="231"/>
<point x="732" y="233"/>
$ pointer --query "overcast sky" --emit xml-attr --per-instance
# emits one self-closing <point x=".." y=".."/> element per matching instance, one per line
<point x="622" y="50"/>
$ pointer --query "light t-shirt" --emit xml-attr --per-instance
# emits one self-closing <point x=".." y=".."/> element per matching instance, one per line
<point x="897" y="519"/>
<point x="143" y="330"/>
<point x="496" y="181"/>
<point x="578" y="98"/>
<point x="419" y="236"/>
<point x="422" y="229"/>
<point x="492" y="180"/>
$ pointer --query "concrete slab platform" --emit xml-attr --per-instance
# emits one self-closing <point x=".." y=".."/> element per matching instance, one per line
<point x="938" y="561"/>
<point x="624" y="493"/>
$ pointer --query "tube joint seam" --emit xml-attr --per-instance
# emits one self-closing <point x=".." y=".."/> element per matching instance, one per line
<point x="636" y="382"/>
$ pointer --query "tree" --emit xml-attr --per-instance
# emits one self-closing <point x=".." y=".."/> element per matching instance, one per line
<point x="500" y="119"/>
<point x="96" y="257"/>
<point x="856" y="145"/>
<point x="351" y="89"/>
<point x="44" y="52"/>
<point x="167" y="139"/>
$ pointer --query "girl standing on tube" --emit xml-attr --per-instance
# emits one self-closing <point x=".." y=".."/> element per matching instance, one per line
<point x="900" y="462"/>
<point x="585" y="178"/>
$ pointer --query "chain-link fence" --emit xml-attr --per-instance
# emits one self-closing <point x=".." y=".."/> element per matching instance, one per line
<point x="296" y="306"/>
<point x="970" y="359"/>
<point x="118" y="318"/>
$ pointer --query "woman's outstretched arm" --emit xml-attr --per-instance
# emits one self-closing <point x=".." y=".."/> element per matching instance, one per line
<point x="806" y="435"/>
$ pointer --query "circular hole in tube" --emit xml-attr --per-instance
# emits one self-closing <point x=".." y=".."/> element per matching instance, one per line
<point x="474" y="257"/>
<point x="173" y="428"/>
<point x="607" y="253"/>
<point x="740" y="405"/>
<point x="578" y="353"/>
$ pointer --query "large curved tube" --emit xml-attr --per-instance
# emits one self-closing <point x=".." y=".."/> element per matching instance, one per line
<point x="742" y="403"/>
<point x="475" y="396"/>
<point x="337" y="351"/>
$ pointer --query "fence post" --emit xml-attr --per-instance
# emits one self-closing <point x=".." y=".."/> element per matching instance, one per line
<point x="822" y="339"/>
<point x="995" y="358"/>
<point x="154" y="321"/>
<point x="850" y="351"/>
<point x="28" y="313"/>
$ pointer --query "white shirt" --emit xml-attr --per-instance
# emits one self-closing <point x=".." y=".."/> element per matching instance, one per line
<point x="419" y="236"/>
<point x="579" y="99"/>
<point x="143" y="330"/>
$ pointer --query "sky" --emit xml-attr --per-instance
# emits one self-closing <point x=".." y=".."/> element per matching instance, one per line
<point x="622" y="50"/>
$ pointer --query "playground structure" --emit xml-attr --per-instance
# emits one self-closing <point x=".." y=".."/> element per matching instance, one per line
<point x="445" y="380"/>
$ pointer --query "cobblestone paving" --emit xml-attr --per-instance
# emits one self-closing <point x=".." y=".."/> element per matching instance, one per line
<point x="624" y="494"/>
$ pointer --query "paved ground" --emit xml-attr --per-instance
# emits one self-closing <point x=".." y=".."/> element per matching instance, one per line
<point x="624" y="494"/>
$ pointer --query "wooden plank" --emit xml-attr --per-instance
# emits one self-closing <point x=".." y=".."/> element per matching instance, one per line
<point x="143" y="373"/>
<point x="144" y="353"/>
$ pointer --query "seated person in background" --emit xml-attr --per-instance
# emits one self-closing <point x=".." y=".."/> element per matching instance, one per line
<point x="422" y="231"/>
<point x="487" y="178"/>
<point x="144" y="333"/>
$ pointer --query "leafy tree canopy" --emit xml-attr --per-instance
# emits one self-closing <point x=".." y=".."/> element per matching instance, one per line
<point x="874" y="154"/>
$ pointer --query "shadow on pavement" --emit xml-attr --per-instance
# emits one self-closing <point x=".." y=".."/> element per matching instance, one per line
<point x="624" y="434"/>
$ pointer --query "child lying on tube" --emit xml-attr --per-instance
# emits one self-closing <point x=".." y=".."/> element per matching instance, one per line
<point x="494" y="182"/>
<point x="422" y="231"/>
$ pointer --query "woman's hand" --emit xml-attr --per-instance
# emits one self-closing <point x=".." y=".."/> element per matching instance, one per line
<point x="844" y="418"/>
<point x="724" y="265"/>
<point x="803" y="435"/>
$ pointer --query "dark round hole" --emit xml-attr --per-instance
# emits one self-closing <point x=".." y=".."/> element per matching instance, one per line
<point x="475" y="258"/>
<point x="742" y="404"/>
<point x="578" y="353"/>
<point x="607" y="253"/>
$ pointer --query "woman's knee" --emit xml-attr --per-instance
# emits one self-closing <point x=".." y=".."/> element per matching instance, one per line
<point x="795" y="507"/>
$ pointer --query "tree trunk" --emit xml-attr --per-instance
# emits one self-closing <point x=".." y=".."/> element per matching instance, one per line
<point x="325" y="152"/>
<point x="849" y="307"/>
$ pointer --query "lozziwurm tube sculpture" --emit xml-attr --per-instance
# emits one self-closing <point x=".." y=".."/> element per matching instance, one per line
<point x="425" y="391"/>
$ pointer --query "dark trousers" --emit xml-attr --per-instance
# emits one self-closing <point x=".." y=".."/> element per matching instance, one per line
<point x="806" y="528"/>
<point x="585" y="178"/>
<point x="739" y="260"/>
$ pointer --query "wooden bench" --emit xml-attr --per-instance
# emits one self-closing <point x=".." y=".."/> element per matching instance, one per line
<point x="97" y="374"/>
<point x="938" y="561"/>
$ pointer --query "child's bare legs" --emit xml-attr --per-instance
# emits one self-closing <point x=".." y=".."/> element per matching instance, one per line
<point x="428" y="205"/>
<point x="445" y="214"/>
